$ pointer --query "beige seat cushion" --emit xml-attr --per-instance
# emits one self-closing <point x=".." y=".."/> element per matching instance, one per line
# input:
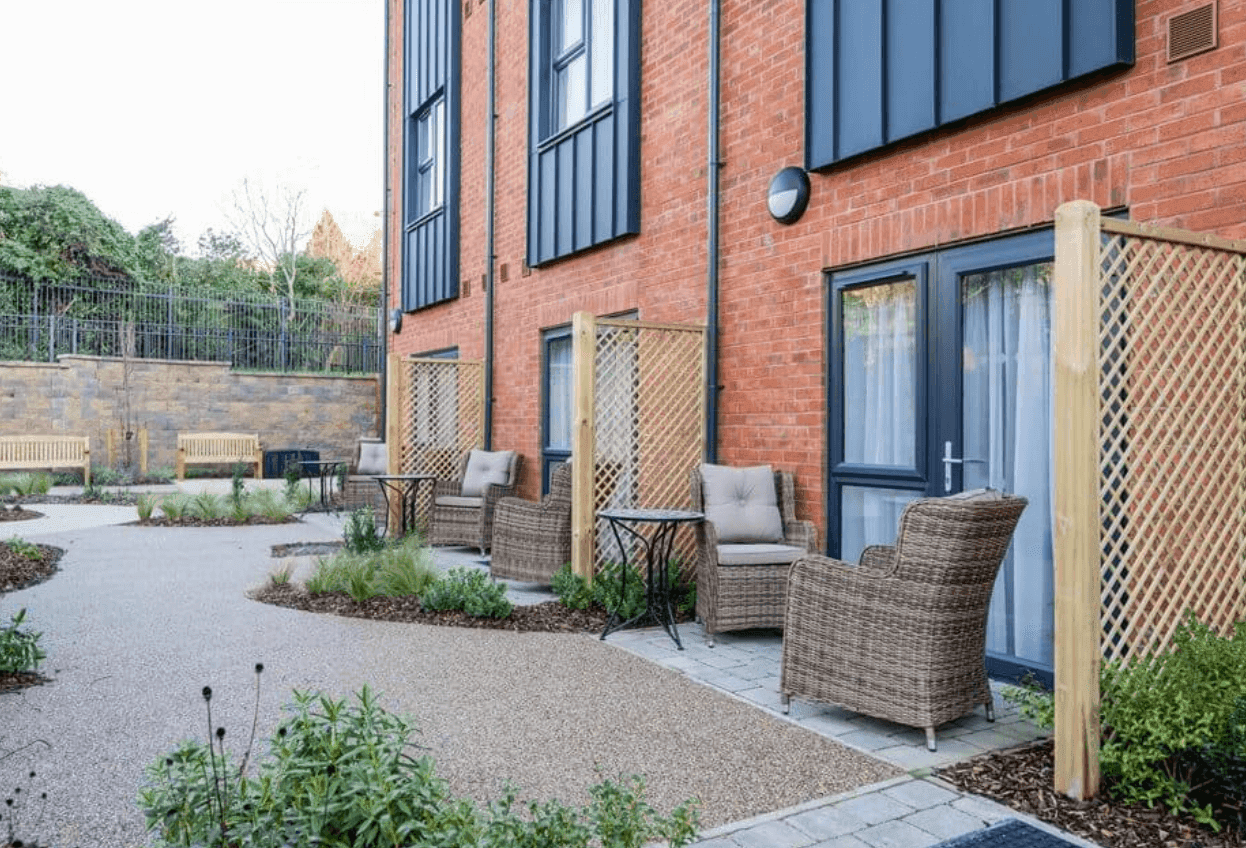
<point x="742" y="503"/>
<point x="485" y="467"/>
<point x="459" y="500"/>
<point x="761" y="553"/>
<point x="976" y="495"/>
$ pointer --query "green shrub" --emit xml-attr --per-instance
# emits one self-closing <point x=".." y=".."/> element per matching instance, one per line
<point x="329" y="575"/>
<point x="208" y="506"/>
<point x="469" y="590"/>
<point x="608" y="591"/>
<point x="405" y="569"/>
<point x="359" y="532"/>
<point x="175" y="506"/>
<point x="572" y="589"/>
<point x="269" y="504"/>
<point x="146" y="505"/>
<point x="340" y="773"/>
<point x="163" y="474"/>
<point x="22" y="548"/>
<point x="19" y="649"/>
<point x="1170" y="723"/>
<point x="26" y="483"/>
<point x="280" y="576"/>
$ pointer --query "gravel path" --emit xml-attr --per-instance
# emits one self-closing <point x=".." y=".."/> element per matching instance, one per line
<point x="139" y="619"/>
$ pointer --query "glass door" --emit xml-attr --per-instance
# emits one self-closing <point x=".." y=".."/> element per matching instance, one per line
<point x="941" y="381"/>
<point x="556" y="418"/>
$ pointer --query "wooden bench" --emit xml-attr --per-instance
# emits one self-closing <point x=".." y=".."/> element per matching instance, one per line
<point x="217" y="448"/>
<point x="39" y="453"/>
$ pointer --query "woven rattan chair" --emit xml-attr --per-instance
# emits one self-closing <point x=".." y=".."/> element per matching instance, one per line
<point x="463" y="508"/>
<point x="531" y="540"/>
<point x="359" y="489"/>
<point x="902" y="636"/>
<point x="742" y="580"/>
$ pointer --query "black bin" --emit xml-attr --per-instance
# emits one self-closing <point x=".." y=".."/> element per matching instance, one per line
<point x="275" y="461"/>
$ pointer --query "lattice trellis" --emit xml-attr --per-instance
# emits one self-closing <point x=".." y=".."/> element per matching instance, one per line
<point x="442" y="417"/>
<point x="1172" y="450"/>
<point x="649" y="402"/>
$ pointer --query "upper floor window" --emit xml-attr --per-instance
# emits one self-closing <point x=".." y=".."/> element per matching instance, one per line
<point x="428" y="172"/>
<point x="581" y="57"/>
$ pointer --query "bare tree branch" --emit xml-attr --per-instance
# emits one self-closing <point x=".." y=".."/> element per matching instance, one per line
<point x="272" y="223"/>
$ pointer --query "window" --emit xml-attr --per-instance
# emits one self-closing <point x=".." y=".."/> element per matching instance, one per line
<point x="430" y="253"/>
<point x="879" y="71"/>
<point x="428" y="159"/>
<point x="583" y="58"/>
<point x="584" y="125"/>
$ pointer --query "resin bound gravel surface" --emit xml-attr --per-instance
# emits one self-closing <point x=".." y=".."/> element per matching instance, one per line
<point x="138" y="619"/>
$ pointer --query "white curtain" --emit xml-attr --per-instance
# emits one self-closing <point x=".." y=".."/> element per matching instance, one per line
<point x="1008" y="443"/>
<point x="880" y="358"/>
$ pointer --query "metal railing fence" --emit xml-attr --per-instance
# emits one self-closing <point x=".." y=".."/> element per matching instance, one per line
<point x="41" y="321"/>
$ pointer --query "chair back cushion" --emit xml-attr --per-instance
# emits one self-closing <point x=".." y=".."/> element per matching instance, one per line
<point x="373" y="458"/>
<point x="485" y="467"/>
<point x="742" y="503"/>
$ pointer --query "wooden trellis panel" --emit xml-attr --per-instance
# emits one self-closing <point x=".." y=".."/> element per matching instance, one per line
<point x="1150" y="348"/>
<point x="436" y="411"/>
<point x="641" y="416"/>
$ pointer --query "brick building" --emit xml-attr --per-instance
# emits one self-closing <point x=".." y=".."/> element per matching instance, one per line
<point x="903" y="318"/>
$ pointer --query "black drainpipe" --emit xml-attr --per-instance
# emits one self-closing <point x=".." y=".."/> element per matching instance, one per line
<point x="489" y="235"/>
<point x="711" y="295"/>
<point x="383" y="306"/>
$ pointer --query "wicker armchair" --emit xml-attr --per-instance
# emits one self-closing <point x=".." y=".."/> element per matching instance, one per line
<point x="359" y="488"/>
<point x="741" y="578"/>
<point x="462" y="511"/>
<point x="531" y="540"/>
<point x="902" y="636"/>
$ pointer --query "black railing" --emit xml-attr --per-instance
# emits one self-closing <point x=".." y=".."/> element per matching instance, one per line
<point x="40" y="321"/>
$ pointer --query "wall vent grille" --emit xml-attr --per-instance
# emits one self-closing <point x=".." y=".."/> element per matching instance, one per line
<point x="1192" y="32"/>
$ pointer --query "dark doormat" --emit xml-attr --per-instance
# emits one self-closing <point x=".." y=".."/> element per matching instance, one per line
<point x="1012" y="833"/>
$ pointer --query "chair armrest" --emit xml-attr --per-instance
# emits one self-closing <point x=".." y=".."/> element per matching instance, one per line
<point x="707" y="543"/>
<point x="878" y="559"/>
<point x="442" y="488"/>
<point x="494" y="492"/>
<point x="801" y="534"/>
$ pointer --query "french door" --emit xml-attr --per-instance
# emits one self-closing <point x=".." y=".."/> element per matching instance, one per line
<point x="940" y="381"/>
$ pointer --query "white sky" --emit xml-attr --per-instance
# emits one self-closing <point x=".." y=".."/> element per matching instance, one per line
<point x="154" y="108"/>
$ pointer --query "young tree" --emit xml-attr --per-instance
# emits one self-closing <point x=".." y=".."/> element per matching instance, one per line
<point x="272" y="223"/>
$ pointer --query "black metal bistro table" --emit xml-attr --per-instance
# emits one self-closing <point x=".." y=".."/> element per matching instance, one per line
<point x="326" y="470"/>
<point x="406" y="488"/>
<point x="657" y="545"/>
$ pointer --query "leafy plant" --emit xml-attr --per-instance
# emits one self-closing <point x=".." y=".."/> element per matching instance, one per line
<point x="469" y="590"/>
<point x="208" y="506"/>
<point x="26" y="484"/>
<point x="339" y="773"/>
<point x="1173" y="724"/>
<point x="404" y="569"/>
<point x="146" y="505"/>
<point x="237" y="489"/>
<point x="610" y="593"/>
<point x="19" y="649"/>
<point x="1033" y="701"/>
<point x="293" y="474"/>
<point x="359" y="532"/>
<point x="175" y="506"/>
<point x="572" y="589"/>
<point x="22" y="548"/>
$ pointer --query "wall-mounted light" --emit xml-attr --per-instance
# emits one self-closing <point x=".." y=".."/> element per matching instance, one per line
<point x="395" y="320"/>
<point x="788" y="195"/>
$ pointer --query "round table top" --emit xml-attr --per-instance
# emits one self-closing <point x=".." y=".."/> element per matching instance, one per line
<point x="650" y="515"/>
<point x="403" y="476"/>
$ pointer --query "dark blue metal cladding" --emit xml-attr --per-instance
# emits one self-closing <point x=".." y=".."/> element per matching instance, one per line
<point x="967" y="58"/>
<point x="583" y="182"/>
<point x="878" y="71"/>
<point x="1022" y="69"/>
<point x="859" y="71"/>
<point x="431" y="247"/>
<point x="911" y="68"/>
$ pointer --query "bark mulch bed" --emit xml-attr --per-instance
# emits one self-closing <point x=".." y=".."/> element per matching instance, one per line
<point x="1022" y="780"/>
<point x="18" y="513"/>
<point x="17" y="571"/>
<point x="547" y="617"/>
<point x="189" y="521"/>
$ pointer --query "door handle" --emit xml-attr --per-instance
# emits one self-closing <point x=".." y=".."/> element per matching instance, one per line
<point x="948" y="462"/>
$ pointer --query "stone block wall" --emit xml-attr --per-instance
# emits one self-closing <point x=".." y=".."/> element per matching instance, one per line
<point x="83" y="395"/>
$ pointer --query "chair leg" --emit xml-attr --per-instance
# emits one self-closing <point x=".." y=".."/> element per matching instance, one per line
<point x="930" y="740"/>
<point x="990" y="710"/>
<point x="786" y="700"/>
<point x="709" y="639"/>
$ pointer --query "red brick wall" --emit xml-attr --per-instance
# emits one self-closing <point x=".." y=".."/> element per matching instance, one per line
<point x="1165" y="141"/>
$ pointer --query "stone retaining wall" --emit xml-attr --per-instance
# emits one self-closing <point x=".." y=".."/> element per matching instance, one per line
<point x="85" y="395"/>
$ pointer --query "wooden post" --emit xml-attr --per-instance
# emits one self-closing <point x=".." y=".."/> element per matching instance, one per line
<point x="583" y="443"/>
<point x="395" y="389"/>
<point x="1075" y="345"/>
